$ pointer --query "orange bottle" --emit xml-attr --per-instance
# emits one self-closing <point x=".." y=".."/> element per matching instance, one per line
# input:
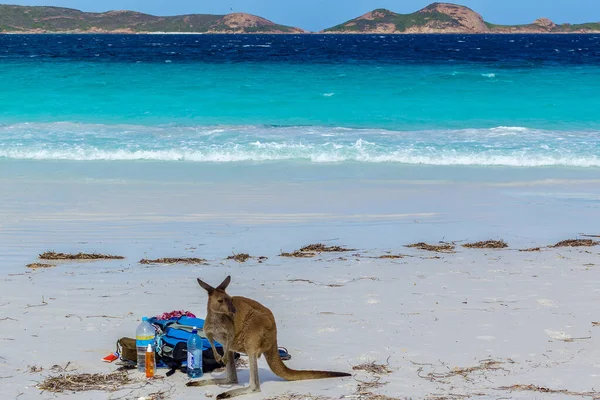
<point x="150" y="363"/>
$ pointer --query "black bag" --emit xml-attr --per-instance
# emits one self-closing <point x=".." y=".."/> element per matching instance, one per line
<point x="175" y="356"/>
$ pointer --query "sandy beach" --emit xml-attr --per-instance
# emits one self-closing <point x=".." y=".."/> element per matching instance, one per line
<point x="472" y="323"/>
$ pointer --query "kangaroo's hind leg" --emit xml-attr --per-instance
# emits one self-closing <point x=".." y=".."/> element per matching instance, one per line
<point x="231" y="371"/>
<point x="254" y="381"/>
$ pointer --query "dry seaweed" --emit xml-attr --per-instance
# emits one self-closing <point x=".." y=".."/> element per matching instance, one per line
<point x="239" y="257"/>
<point x="365" y="387"/>
<point x="373" y="396"/>
<point x="173" y="261"/>
<point x="85" y="382"/>
<point x="440" y="248"/>
<point x="321" y="248"/>
<point x="312" y="249"/>
<point x="373" y="368"/>
<point x="487" y="244"/>
<point x="541" y="389"/>
<point x="484" y="365"/>
<point x="576" y="243"/>
<point x="160" y="395"/>
<point x="391" y="256"/>
<point x="531" y="249"/>
<point x="51" y="255"/>
<point x="359" y="395"/>
<point x="296" y="396"/>
<point x="40" y="265"/>
<point x="297" y="254"/>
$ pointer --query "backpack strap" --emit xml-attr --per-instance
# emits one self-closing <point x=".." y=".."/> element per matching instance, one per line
<point x="173" y="366"/>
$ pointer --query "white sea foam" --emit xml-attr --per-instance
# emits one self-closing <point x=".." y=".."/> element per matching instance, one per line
<point x="499" y="146"/>
<point x="299" y="153"/>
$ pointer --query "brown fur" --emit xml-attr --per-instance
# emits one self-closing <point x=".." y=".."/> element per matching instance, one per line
<point x="244" y="325"/>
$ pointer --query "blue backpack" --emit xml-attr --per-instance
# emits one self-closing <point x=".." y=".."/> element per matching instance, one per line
<point x="171" y="344"/>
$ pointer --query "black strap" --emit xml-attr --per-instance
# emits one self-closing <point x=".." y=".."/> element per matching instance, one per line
<point x="172" y="364"/>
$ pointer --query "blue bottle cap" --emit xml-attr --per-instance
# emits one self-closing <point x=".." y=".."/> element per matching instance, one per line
<point x="144" y="318"/>
<point x="194" y="330"/>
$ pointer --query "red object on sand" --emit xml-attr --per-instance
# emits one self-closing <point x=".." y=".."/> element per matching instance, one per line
<point x="175" y="314"/>
<point x="111" y="357"/>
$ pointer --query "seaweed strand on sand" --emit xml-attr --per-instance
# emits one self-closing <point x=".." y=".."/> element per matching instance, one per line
<point x="440" y="248"/>
<point x="312" y="250"/>
<point x="576" y="243"/>
<point x="176" y="260"/>
<point x="51" y="255"/>
<point x="486" y="244"/>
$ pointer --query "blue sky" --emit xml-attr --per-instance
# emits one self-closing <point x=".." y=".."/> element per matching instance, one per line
<point x="315" y="15"/>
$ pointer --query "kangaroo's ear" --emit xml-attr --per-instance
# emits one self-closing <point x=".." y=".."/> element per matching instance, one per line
<point x="206" y="286"/>
<point x="225" y="283"/>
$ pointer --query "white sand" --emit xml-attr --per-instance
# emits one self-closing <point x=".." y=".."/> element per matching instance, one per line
<point x="530" y="311"/>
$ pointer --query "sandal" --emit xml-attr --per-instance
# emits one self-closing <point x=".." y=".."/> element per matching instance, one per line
<point x="283" y="353"/>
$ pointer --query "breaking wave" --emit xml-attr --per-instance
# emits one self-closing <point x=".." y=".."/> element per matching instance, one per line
<point x="499" y="146"/>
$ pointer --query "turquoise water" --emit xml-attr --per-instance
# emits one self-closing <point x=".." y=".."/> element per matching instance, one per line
<point x="440" y="112"/>
<point x="396" y="97"/>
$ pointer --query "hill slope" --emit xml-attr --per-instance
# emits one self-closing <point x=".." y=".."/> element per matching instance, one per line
<point x="57" y="19"/>
<point x="447" y="18"/>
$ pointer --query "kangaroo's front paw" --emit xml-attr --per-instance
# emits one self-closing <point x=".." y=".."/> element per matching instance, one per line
<point x="224" y="359"/>
<point x="218" y="358"/>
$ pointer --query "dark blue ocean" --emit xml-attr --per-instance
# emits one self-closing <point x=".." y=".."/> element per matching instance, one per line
<point x="510" y="51"/>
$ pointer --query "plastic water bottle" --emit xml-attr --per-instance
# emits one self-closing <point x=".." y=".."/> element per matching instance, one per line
<point x="194" y="355"/>
<point x="144" y="336"/>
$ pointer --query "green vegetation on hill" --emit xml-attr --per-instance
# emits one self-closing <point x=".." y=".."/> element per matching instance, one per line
<point x="435" y="18"/>
<point x="401" y="21"/>
<point x="497" y="27"/>
<point x="563" y="28"/>
<point x="447" y="17"/>
<point x="590" y="26"/>
<point x="58" y="19"/>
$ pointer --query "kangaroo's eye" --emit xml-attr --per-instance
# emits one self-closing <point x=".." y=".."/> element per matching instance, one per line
<point x="220" y="301"/>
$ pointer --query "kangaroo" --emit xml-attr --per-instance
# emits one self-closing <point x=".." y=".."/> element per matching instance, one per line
<point x="245" y="326"/>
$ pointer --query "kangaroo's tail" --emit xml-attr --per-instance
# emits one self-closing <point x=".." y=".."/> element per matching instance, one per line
<point x="281" y="370"/>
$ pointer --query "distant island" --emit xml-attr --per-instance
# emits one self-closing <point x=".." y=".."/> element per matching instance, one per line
<point x="41" y="19"/>
<point x="448" y="18"/>
<point x="435" y="18"/>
